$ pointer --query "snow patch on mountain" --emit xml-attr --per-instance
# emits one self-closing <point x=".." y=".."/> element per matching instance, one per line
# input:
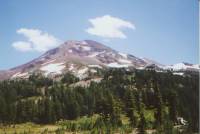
<point x="48" y="62"/>
<point x="94" y="54"/>
<point x="20" y="75"/>
<point x="179" y="66"/>
<point x="15" y="75"/>
<point x="117" y="65"/>
<point x="93" y="70"/>
<point x="125" y="61"/>
<point x="71" y="67"/>
<point x="53" y="68"/>
<point x="97" y="66"/>
<point x="123" y="55"/>
<point x="182" y="66"/>
<point x="141" y="68"/>
<point x="86" y="48"/>
<point x="111" y="54"/>
<point x="178" y="73"/>
<point x="82" y="73"/>
<point x="70" y="50"/>
<point x="84" y="42"/>
<point x="197" y="66"/>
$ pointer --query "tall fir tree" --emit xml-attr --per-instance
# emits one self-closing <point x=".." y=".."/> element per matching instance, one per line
<point x="130" y="106"/>
<point x="158" y="105"/>
<point x="173" y="106"/>
<point x="142" y="124"/>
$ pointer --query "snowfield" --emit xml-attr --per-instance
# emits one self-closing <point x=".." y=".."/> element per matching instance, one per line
<point x="123" y="55"/>
<point x="53" y="68"/>
<point x="125" y="61"/>
<point x="95" y="54"/>
<point x="86" y="48"/>
<point x="71" y="67"/>
<point x="197" y="66"/>
<point x="48" y="62"/>
<point x="84" y="42"/>
<point x="93" y="70"/>
<point x="179" y="66"/>
<point x="97" y="66"/>
<point x="141" y="68"/>
<point x="20" y="75"/>
<point x="182" y="66"/>
<point x="82" y="73"/>
<point x="117" y="65"/>
<point x="176" y="73"/>
<point x="70" y="50"/>
<point x="111" y="54"/>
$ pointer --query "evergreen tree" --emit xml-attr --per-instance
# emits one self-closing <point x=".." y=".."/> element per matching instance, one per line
<point x="58" y="109"/>
<point x="73" y="110"/>
<point x="115" y="111"/>
<point x="130" y="106"/>
<point x="142" y="124"/>
<point x="2" y="110"/>
<point x="158" y="105"/>
<point x="49" y="113"/>
<point x="168" y="125"/>
<point x="173" y="106"/>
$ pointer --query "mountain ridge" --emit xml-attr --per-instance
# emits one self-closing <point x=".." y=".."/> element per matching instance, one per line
<point x="80" y="57"/>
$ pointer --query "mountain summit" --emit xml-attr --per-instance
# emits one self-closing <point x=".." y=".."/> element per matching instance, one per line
<point x="78" y="57"/>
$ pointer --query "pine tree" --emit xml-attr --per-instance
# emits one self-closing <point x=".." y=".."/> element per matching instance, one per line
<point x="130" y="106"/>
<point x="2" y="109"/>
<point x="158" y="105"/>
<point x="58" y="109"/>
<point x="21" y="112"/>
<point x="115" y="111"/>
<point x="168" y="125"/>
<point x="73" y="109"/>
<point x="142" y="124"/>
<point x="173" y="106"/>
<point x="49" y="113"/>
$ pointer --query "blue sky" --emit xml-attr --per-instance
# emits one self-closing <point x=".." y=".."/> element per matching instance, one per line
<point x="163" y="30"/>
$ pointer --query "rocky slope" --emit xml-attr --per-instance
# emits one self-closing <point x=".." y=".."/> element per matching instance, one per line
<point x="81" y="57"/>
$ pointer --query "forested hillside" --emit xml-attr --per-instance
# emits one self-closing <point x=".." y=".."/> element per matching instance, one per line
<point x="150" y="100"/>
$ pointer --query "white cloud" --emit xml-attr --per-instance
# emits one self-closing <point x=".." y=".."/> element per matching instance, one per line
<point x="109" y="27"/>
<point x="37" y="40"/>
<point x="22" y="46"/>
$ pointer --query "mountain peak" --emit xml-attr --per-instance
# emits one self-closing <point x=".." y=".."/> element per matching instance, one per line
<point x="81" y="57"/>
<point x="77" y="57"/>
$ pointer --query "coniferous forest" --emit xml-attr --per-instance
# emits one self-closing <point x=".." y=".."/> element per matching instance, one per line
<point x="149" y="100"/>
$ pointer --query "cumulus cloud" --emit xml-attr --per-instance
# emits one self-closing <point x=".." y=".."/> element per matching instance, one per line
<point x="36" y="40"/>
<point x="22" y="46"/>
<point x="109" y="27"/>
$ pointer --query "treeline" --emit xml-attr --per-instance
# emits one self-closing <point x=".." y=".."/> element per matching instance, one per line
<point x="164" y="96"/>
